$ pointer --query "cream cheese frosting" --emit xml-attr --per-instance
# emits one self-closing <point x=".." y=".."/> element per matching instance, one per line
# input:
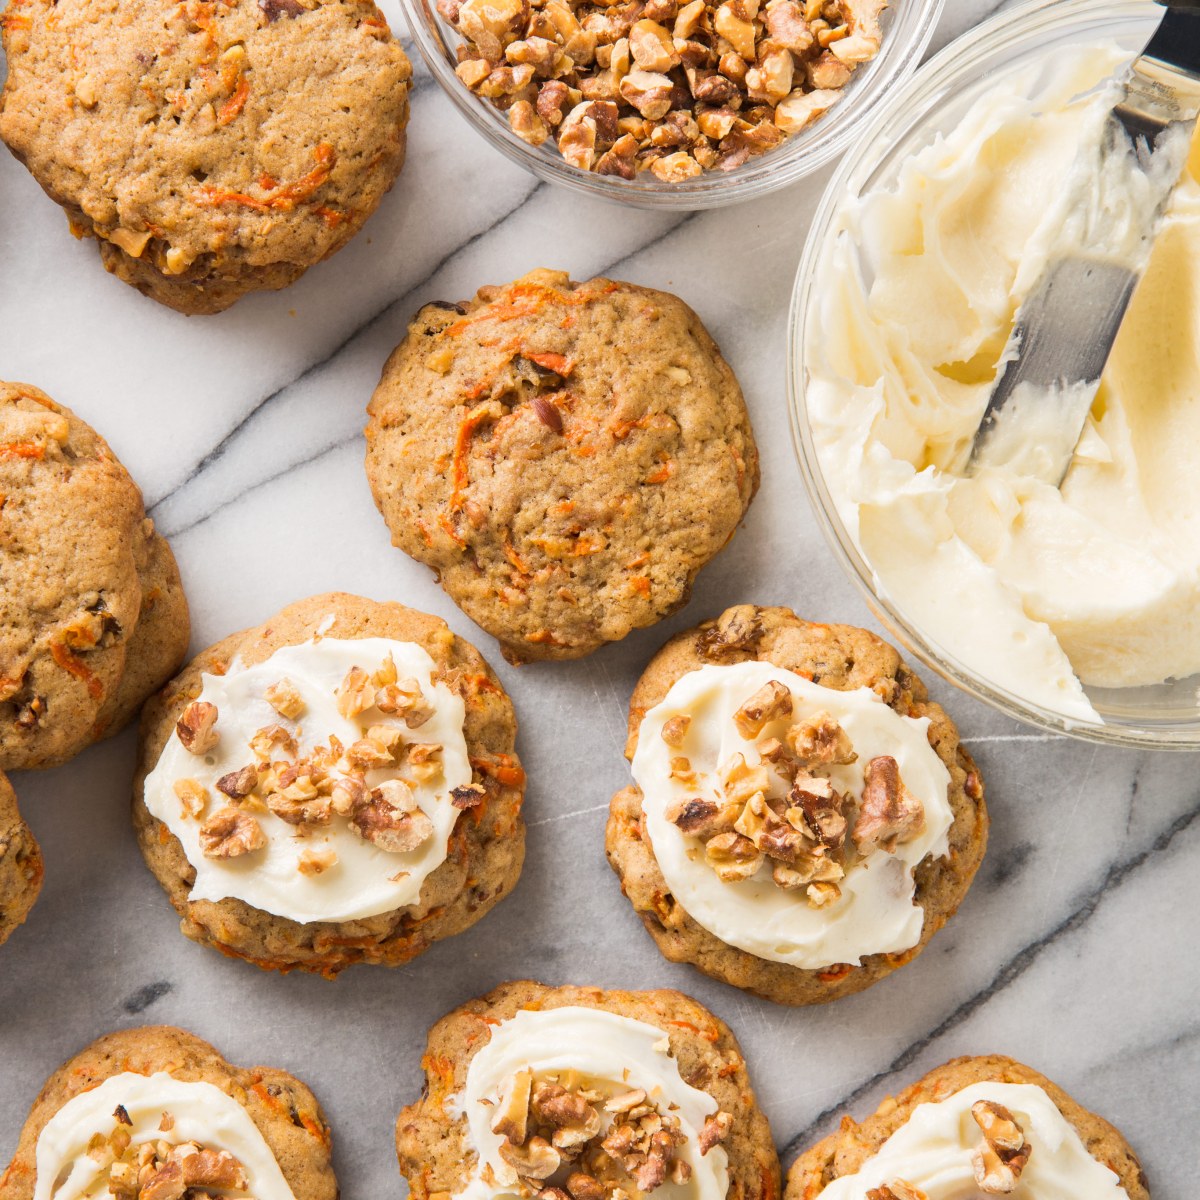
<point x="875" y="913"/>
<point x="1037" y="589"/>
<point x="932" y="1150"/>
<point x="202" y="1114"/>
<point x="365" y="880"/>
<point x="599" y="1045"/>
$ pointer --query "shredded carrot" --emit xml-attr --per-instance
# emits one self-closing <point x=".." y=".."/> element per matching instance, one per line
<point x="640" y="584"/>
<point x="23" y="450"/>
<point x="543" y="637"/>
<point x="285" y="197"/>
<point x="503" y="768"/>
<point x="72" y="665"/>
<point x="519" y="564"/>
<point x="330" y="216"/>
<point x="558" y="363"/>
<point x="835" y="974"/>
<point x="460" y="466"/>
<point x="665" y="470"/>
<point x="15" y="21"/>
<point x="236" y="102"/>
<point x="447" y="527"/>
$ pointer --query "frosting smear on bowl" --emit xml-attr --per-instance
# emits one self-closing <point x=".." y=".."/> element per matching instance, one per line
<point x="1039" y="590"/>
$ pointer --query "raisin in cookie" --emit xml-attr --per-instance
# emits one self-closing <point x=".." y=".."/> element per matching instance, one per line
<point x="577" y="1093"/>
<point x="333" y="787"/>
<point x="20" y="864"/>
<point x="92" y="613"/>
<point x="984" y="1126"/>
<point x="804" y="819"/>
<point x="565" y="456"/>
<point x="213" y="147"/>
<point x="152" y="1113"/>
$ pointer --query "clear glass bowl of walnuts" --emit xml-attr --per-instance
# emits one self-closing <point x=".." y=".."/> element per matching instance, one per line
<point x="683" y="104"/>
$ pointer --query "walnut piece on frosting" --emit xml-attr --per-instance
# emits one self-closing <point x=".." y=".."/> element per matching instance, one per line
<point x="569" y="1138"/>
<point x="230" y="832"/>
<point x="1000" y="1159"/>
<point x="196" y="727"/>
<point x="161" y="1170"/>
<point x="783" y="810"/>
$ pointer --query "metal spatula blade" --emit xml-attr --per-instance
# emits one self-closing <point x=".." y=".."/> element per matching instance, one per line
<point x="1065" y="329"/>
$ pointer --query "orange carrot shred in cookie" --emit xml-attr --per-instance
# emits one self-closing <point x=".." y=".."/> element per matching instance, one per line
<point x="23" y="450"/>
<point x="73" y="666"/>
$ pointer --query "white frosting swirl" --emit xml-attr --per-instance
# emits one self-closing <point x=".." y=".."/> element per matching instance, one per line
<point x="1034" y="588"/>
<point x="365" y="880"/>
<point x="875" y="913"/>
<point x="932" y="1150"/>
<point x="602" y="1046"/>
<point x="203" y="1114"/>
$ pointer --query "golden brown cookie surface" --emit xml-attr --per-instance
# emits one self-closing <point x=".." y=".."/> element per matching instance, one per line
<point x="432" y="1140"/>
<point x="92" y="612"/>
<point x="565" y="456"/>
<point x="213" y="147"/>
<point x="839" y="657"/>
<point x="845" y="1152"/>
<point x="282" y="1108"/>
<point x="486" y="847"/>
<point x="20" y="864"/>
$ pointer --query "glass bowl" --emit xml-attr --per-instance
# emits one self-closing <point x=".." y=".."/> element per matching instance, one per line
<point x="907" y="27"/>
<point x="1166" y="715"/>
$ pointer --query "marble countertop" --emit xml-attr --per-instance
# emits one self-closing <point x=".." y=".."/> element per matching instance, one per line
<point x="1076" y="951"/>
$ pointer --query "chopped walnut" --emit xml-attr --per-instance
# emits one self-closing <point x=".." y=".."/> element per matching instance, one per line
<point x="898" y="1189"/>
<point x="316" y="862"/>
<point x="733" y="857"/>
<point x="661" y="70"/>
<point x="715" y="1130"/>
<point x="355" y="694"/>
<point x="469" y="795"/>
<point x="196" y="727"/>
<point x="999" y="1161"/>
<point x="424" y="761"/>
<point x="610" y="1146"/>
<point x="701" y="818"/>
<point x="237" y="785"/>
<point x="820" y="740"/>
<point x="192" y="796"/>
<point x="889" y="814"/>
<point x="388" y="817"/>
<point x="230" y="833"/>
<point x="285" y="699"/>
<point x="160" y="1170"/>
<point x="740" y="781"/>
<point x="770" y="703"/>
<point x="674" y="731"/>
<point x="266" y="739"/>
<point x="735" y="632"/>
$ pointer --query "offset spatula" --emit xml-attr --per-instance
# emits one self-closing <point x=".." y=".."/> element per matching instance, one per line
<point x="1065" y="329"/>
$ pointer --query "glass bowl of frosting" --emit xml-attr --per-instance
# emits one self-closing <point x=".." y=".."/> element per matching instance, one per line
<point x="817" y="131"/>
<point x="1074" y="608"/>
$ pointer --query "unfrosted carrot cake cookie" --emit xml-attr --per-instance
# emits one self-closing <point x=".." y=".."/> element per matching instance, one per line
<point x="212" y="147"/>
<point x="566" y="456"/>
<point x="803" y="818"/>
<point x="977" y="1126"/>
<point x="157" y="1114"/>
<point x="337" y="785"/>
<point x="92" y="613"/>
<point x="577" y="1093"/>
<point x="20" y="864"/>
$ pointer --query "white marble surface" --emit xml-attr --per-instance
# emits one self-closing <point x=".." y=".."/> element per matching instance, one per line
<point x="1076" y="950"/>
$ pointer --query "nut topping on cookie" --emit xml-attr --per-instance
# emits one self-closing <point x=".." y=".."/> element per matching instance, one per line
<point x="999" y="1161"/>
<point x="355" y="694"/>
<point x="609" y="1143"/>
<point x="230" y="832"/>
<point x="803" y="832"/>
<point x="193" y="796"/>
<point x="770" y="703"/>
<point x="890" y="814"/>
<point x="389" y="818"/>
<point x="675" y="730"/>
<point x="196" y="727"/>
<point x="898" y="1189"/>
<point x="284" y="698"/>
<point x="159" y="1170"/>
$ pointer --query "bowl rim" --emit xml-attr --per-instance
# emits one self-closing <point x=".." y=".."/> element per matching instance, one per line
<point x="903" y="47"/>
<point x="908" y="106"/>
